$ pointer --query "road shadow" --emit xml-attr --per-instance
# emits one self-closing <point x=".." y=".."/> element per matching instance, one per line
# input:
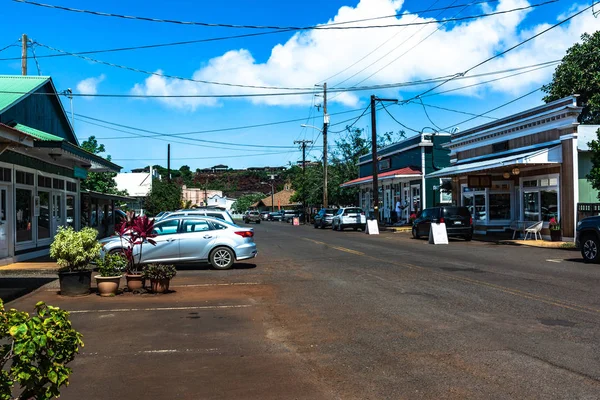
<point x="577" y="260"/>
<point x="202" y="267"/>
<point x="12" y="288"/>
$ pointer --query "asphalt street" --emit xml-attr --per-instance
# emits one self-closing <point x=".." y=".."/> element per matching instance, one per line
<point x="343" y="315"/>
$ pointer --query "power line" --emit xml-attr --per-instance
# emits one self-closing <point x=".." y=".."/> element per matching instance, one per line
<point x="199" y="158"/>
<point x="503" y="52"/>
<point x="398" y="122"/>
<point x="333" y="26"/>
<point x="13" y="44"/>
<point x="427" y="115"/>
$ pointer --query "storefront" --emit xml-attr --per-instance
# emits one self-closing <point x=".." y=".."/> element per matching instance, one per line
<point x="403" y="188"/>
<point x="520" y="169"/>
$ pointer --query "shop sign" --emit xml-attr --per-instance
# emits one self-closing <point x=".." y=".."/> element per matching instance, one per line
<point x="479" y="181"/>
<point x="384" y="164"/>
<point x="79" y="172"/>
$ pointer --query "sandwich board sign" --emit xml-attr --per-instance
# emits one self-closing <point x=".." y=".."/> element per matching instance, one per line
<point x="372" y="227"/>
<point x="438" y="234"/>
<point x="296" y="221"/>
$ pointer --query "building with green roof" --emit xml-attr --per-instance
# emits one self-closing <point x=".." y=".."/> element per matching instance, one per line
<point x="41" y="165"/>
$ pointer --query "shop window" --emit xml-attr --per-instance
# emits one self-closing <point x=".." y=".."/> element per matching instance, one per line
<point x="44" y="181"/>
<point x="530" y="183"/>
<point x="499" y="206"/>
<point x="24" y="213"/>
<point x="531" y="206"/>
<point x="44" y="217"/>
<point x="71" y="210"/>
<point x="5" y="174"/>
<point x="59" y="184"/>
<point x="549" y="204"/>
<point x="71" y="187"/>
<point x="24" y="178"/>
<point x="540" y="199"/>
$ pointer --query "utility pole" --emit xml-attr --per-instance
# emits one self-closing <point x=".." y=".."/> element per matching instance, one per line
<point x="375" y="161"/>
<point x="303" y="144"/>
<point x="24" y="55"/>
<point x="325" y="126"/>
<point x="272" y="194"/>
<point x="169" y="162"/>
<point x="206" y="192"/>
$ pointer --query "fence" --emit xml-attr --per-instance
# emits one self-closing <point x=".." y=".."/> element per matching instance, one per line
<point x="585" y="210"/>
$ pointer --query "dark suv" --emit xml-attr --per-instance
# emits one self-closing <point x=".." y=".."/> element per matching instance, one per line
<point x="458" y="220"/>
<point x="324" y="217"/>
<point x="587" y="238"/>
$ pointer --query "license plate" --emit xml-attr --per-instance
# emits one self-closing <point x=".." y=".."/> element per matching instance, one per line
<point x="457" y="223"/>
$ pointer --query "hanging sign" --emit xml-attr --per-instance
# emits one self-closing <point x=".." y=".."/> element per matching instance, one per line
<point x="438" y="234"/>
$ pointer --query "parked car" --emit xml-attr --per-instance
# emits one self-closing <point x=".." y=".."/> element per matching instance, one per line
<point x="193" y="239"/>
<point x="264" y="215"/>
<point x="252" y="216"/>
<point x="324" y="217"/>
<point x="207" y="212"/>
<point x="349" y="217"/>
<point x="587" y="238"/>
<point x="275" y="216"/>
<point x="289" y="215"/>
<point x="458" y="220"/>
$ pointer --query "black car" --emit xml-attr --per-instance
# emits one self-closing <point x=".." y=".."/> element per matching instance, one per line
<point x="324" y="217"/>
<point x="289" y="215"/>
<point x="275" y="216"/>
<point x="587" y="238"/>
<point x="458" y="220"/>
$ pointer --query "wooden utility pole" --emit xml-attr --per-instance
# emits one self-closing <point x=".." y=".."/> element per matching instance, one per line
<point x="24" y="55"/>
<point x="303" y="144"/>
<point x="325" y="126"/>
<point x="375" y="160"/>
<point x="169" y="162"/>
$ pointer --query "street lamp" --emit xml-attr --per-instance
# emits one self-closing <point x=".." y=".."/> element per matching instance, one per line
<point x="325" y="199"/>
<point x="272" y="192"/>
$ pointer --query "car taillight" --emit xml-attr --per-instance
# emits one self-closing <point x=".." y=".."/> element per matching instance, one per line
<point x="470" y="220"/>
<point x="245" y="233"/>
<point x="442" y="220"/>
<point x="362" y="213"/>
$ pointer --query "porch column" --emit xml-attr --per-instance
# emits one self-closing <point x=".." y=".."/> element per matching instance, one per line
<point x="569" y="185"/>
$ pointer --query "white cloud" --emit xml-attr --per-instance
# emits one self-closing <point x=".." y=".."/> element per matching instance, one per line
<point x="90" y="85"/>
<point x="310" y="57"/>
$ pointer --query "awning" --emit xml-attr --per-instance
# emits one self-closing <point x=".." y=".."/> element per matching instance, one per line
<point x="407" y="172"/>
<point x="551" y="155"/>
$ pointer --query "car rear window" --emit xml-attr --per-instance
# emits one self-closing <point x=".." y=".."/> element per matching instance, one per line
<point x="330" y="211"/>
<point x="353" y="210"/>
<point x="215" y="215"/>
<point x="454" y="211"/>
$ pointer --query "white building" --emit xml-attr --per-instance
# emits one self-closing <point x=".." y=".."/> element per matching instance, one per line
<point x="137" y="185"/>
<point x="221" y="201"/>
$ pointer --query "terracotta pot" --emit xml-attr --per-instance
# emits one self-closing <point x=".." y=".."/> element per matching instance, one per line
<point x="75" y="283"/>
<point x="108" y="285"/>
<point x="159" y="285"/>
<point x="556" y="235"/>
<point x="134" y="281"/>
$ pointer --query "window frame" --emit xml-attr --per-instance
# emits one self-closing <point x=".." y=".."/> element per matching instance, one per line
<point x="208" y="223"/>
<point x="539" y="189"/>
<point x="160" y="223"/>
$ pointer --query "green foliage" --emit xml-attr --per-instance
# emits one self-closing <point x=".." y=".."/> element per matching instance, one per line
<point x="111" y="265"/>
<point x="159" y="271"/>
<point x="163" y="196"/>
<point x="103" y="182"/>
<point x="579" y="73"/>
<point x="594" y="175"/>
<point x="74" y="250"/>
<point x="35" y="352"/>
<point x="244" y="202"/>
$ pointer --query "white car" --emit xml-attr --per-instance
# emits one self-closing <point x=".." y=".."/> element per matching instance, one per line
<point x="350" y="217"/>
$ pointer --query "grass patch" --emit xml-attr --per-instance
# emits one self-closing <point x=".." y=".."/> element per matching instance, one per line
<point x="568" y="245"/>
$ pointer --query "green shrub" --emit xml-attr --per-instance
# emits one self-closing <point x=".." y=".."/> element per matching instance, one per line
<point x="35" y="352"/>
<point x="111" y="265"/>
<point x="159" y="271"/>
<point x="74" y="250"/>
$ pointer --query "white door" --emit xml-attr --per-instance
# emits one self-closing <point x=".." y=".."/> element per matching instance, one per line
<point x="58" y="211"/>
<point x="415" y="198"/>
<point x="4" y="223"/>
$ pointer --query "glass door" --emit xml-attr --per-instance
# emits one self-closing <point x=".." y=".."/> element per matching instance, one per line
<point x="4" y="228"/>
<point x="58" y="211"/>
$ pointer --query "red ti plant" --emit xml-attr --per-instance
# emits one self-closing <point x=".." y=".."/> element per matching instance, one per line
<point x="135" y="230"/>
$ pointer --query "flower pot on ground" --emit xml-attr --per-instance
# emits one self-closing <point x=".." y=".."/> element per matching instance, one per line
<point x="555" y="231"/>
<point x="73" y="252"/>
<point x="160" y="276"/>
<point x="110" y="268"/>
<point x="133" y="232"/>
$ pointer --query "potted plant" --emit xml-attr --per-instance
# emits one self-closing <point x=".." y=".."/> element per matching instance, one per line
<point x="135" y="231"/>
<point x="73" y="252"/>
<point x="160" y="276"/>
<point x="110" y="268"/>
<point x="555" y="232"/>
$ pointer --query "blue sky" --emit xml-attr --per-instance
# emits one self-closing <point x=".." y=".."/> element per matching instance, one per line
<point x="283" y="59"/>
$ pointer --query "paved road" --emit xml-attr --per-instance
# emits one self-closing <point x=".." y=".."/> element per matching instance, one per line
<point x="342" y="315"/>
<point x="391" y="317"/>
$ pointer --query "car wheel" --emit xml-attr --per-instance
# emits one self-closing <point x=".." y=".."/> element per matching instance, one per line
<point x="355" y="229"/>
<point x="222" y="258"/>
<point x="315" y="225"/>
<point x="414" y="233"/>
<point x="590" y="249"/>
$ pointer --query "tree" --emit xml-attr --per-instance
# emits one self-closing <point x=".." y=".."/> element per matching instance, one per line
<point x="103" y="182"/>
<point x="244" y="202"/>
<point x="579" y="73"/>
<point x="163" y="196"/>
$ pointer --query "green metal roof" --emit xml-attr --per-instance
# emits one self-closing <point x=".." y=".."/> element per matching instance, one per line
<point x="15" y="87"/>
<point x="41" y="135"/>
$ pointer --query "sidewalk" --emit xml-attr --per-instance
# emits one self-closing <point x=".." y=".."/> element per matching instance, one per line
<point x="37" y="266"/>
